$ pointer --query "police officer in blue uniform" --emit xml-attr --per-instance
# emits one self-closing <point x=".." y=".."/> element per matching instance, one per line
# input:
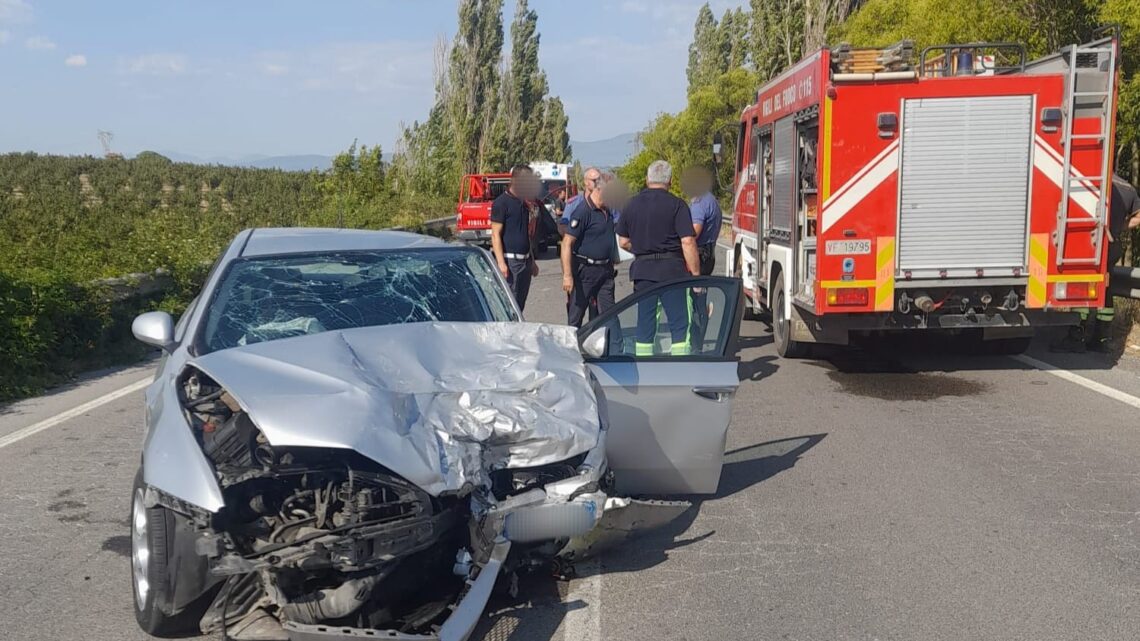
<point x="589" y="253"/>
<point x="658" y="228"/>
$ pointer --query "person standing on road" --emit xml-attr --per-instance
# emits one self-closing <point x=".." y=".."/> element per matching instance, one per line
<point x="513" y="222"/>
<point x="697" y="184"/>
<point x="1096" y="333"/>
<point x="590" y="179"/>
<point x="658" y="228"/>
<point x="589" y="253"/>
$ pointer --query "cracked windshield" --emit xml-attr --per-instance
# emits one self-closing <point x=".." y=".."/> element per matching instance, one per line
<point x="535" y="320"/>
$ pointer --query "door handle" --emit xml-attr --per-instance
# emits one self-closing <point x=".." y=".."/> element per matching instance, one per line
<point x="718" y="394"/>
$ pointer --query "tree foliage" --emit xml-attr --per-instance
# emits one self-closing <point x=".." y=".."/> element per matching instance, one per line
<point x="490" y="112"/>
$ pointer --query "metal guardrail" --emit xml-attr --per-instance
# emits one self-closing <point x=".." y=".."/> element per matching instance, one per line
<point x="1125" y="282"/>
<point x="434" y="223"/>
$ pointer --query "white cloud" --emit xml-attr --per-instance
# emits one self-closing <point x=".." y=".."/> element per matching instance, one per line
<point x="76" y="60"/>
<point x="364" y="67"/>
<point x="15" y="11"/>
<point x="155" y="64"/>
<point x="39" y="43"/>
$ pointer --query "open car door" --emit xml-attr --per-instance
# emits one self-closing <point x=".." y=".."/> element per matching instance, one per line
<point x="666" y="360"/>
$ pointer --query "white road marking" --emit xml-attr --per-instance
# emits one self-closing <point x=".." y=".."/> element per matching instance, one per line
<point x="584" y="623"/>
<point x="1099" y="388"/>
<point x="79" y="410"/>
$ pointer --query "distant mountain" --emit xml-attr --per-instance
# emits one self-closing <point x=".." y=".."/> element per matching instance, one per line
<point x="303" y="162"/>
<point x="294" y="163"/>
<point x="611" y="152"/>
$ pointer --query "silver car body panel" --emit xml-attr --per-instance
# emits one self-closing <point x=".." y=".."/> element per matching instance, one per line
<point x="664" y="437"/>
<point x="439" y="404"/>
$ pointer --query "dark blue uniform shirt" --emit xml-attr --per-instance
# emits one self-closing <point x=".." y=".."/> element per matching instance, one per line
<point x="593" y="229"/>
<point x="655" y="221"/>
<point x="514" y="214"/>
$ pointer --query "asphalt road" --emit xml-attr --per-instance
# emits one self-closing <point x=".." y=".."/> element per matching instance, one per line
<point x="896" y="493"/>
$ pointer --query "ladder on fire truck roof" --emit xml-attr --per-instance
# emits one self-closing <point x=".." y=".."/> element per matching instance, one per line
<point x="1079" y="58"/>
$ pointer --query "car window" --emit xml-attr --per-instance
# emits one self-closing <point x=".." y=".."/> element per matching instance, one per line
<point x="678" y="320"/>
<point x="267" y="298"/>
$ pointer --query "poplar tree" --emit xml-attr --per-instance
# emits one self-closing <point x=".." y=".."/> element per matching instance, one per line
<point x="705" y="56"/>
<point x="473" y="76"/>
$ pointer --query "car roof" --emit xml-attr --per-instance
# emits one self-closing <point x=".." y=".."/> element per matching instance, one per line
<point x="303" y="240"/>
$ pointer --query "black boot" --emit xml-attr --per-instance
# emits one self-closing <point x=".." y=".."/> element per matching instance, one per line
<point x="1072" y="342"/>
<point x="1099" y="339"/>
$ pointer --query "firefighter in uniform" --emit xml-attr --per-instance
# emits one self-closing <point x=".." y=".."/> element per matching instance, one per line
<point x="657" y="228"/>
<point x="1096" y="332"/>
<point x="589" y="253"/>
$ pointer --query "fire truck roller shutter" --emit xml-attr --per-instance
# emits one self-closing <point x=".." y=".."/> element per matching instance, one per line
<point x="783" y="174"/>
<point x="965" y="184"/>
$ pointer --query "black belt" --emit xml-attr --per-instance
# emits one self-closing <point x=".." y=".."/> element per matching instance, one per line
<point x="661" y="255"/>
<point x="593" y="261"/>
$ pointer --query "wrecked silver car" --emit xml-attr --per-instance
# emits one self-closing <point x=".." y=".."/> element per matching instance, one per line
<point x="353" y="434"/>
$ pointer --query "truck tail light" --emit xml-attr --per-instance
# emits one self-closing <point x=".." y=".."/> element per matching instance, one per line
<point x="1075" y="291"/>
<point x="848" y="297"/>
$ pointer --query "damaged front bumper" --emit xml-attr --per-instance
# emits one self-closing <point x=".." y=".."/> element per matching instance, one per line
<point x="575" y="512"/>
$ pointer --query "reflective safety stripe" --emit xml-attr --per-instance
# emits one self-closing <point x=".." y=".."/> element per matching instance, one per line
<point x="1105" y="314"/>
<point x="1083" y="313"/>
<point x="885" y="274"/>
<point x="643" y="349"/>
<point x="1035" y="293"/>
<point x="684" y="348"/>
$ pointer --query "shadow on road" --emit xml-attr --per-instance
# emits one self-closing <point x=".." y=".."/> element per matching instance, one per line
<point x="744" y="468"/>
<point x="919" y="352"/>
<point x="541" y="606"/>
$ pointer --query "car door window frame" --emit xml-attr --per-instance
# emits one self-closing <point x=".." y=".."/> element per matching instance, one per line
<point x="732" y="345"/>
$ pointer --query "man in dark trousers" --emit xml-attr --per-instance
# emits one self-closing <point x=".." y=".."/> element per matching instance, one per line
<point x="1095" y="333"/>
<point x="697" y="184"/>
<point x="513" y="224"/>
<point x="657" y="227"/>
<point x="589" y="253"/>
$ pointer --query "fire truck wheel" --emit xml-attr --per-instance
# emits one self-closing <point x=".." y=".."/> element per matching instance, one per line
<point x="782" y="327"/>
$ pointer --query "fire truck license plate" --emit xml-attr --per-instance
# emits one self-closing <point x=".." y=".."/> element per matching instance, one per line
<point x="837" y="247"/>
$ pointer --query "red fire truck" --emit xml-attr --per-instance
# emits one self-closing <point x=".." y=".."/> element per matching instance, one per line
<point x="478" y="191"/>
<point x="473" y="214"/>
<point x="968" y="192"/>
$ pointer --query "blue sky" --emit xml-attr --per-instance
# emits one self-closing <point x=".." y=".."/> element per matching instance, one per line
<point x="230" y="78"/>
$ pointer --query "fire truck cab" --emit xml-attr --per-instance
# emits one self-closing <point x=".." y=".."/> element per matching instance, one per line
<point x="478" y="191"/>
<point x="965" y="193"/>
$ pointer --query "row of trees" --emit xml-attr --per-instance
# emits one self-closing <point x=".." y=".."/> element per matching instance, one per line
<point x="730" y="57"/>
<point x="490" y="111"/>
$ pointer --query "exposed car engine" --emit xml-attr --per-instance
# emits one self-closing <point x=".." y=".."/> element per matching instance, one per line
<point x="318" y="536"/>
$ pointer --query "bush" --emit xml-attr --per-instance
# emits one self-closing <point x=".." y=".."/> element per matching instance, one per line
<point x="51" y="329"/>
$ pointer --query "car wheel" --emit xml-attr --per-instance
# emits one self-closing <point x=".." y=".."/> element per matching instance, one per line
<point x="782" y="327"/>
<point x="152" y="530"/>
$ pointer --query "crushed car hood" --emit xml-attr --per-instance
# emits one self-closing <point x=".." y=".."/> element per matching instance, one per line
<point x="440" y="404"/>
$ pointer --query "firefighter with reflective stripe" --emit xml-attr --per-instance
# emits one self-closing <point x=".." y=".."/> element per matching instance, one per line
<point x="697" y="184"/>
<point x="1095" y="333"/>
<point x="657" y="228"/>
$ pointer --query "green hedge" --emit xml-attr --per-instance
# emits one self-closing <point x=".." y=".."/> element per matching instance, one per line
<point x="52" y="329"/>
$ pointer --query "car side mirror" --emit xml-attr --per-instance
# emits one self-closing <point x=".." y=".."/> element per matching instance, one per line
<point x="717" y="146"/>
<point x="594" y="345"/>
<point x="154" y="328"/>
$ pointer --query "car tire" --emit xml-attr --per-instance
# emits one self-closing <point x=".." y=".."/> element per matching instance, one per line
<point x="152" y="583"/>
<point x="782" y="327"/>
